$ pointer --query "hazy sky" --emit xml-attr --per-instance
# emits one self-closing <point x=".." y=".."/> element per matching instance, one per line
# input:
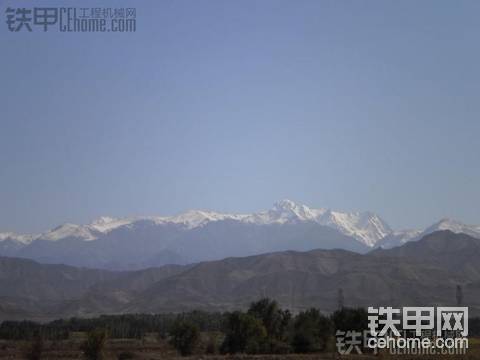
<point x="233" y="105"/>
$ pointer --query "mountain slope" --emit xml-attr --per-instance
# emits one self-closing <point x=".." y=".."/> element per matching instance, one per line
<point x="458" y="253"/>
<point x="418" y="274"/>
<point x="301" y="280"/>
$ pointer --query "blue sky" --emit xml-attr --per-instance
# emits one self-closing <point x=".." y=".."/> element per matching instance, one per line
<point x="233" y="105"/>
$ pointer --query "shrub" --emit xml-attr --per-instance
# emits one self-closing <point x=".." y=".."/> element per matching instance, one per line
<point x="213" y="342"/>
<point x="184" y="337"/>
<point x="311" y="332"/>
<point x="93" y="347"/>
<point x="348" y="319"/>
<point x="244" y="334"/>
<point x="273" y="318"/>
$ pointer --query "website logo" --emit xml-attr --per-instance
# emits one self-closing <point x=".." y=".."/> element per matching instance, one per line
<point x="69" y="19"/>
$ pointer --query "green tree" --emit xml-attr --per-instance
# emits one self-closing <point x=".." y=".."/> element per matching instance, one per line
<point x="311" y="332"/>
<point x="273" y="318"/>
<point x="184" y="337"/>
<point x="94" y="345"/>
<point x="275" y="321"/>
<point x="244" y="334"/>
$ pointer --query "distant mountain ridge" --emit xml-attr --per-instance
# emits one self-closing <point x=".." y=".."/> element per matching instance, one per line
<point x="421" y="273"/>
<point x="402" y="237"/>
<point x="199" y="235"/>
<point x="364" y="226"/>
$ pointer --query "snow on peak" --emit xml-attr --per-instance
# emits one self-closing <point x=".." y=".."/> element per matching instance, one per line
<point x="448" y="224"/>
<point x="25" y="239"/>
<point x="364" y="226"/>
<point x="104" y="220"/>
<point x="195" y="218"/>
<point x="398" y="238"/>
<point x="284" y="211"/>
<point x="287" y="209"/>
<point x="68" y="230"/>
<point x="105" y="224"/>
<point x="454" y="226"/>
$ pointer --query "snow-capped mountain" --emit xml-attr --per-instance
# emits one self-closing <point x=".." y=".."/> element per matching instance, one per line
<point x="366" y="227"/>
<point x="23" y="239"/>
<point x="198" y="235"/>
<point x="398" y="238"/>
<point x="363" y="226"/>
<point x="454" y="226"/>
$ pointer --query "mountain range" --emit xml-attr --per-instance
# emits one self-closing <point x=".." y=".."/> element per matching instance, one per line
<point x="196" y="235"/>
<point x="420" y="273"/>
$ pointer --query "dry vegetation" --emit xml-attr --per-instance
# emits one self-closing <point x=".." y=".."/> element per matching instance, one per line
<point x="154" y="349"/>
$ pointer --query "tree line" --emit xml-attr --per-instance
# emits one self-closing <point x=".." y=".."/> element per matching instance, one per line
<point x="264" y="328"/>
